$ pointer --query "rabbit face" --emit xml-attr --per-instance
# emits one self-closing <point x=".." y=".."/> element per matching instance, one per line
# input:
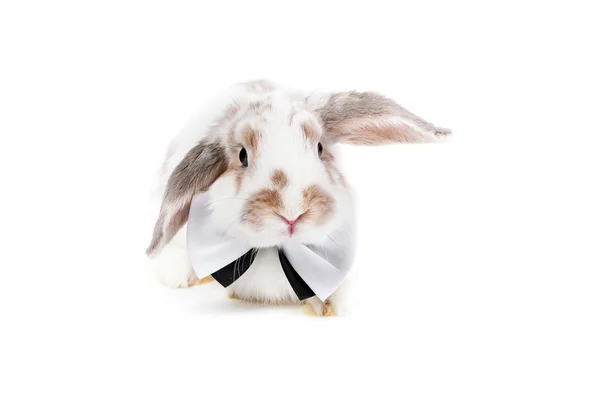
<point x="281" y="183"/>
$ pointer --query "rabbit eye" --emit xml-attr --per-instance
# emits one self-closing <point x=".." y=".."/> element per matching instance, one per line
<point x="320" y="149"/>
<point x="244" y="157"/>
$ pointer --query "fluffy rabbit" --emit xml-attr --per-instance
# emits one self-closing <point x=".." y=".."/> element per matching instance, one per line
<point x="266" y="155"/>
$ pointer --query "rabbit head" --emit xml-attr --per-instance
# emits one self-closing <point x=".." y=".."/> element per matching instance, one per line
<point x="268" y="163"/>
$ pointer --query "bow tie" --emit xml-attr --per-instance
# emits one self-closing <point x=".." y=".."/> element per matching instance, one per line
<point x="310" y="269"/>
<point x="230" y="273"/>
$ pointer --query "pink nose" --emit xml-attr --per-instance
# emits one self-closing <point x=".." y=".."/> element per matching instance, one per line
<point x="291" y="225"/>
<point x="292" y="222"/>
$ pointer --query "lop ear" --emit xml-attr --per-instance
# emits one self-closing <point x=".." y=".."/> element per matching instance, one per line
<point x="201" y="166"/>
<point x="370" y="119"/>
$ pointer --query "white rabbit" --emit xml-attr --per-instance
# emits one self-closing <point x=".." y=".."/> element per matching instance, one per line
<point x="266" y="155"/>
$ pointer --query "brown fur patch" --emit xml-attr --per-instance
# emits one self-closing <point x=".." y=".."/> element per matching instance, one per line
<point x="262" y="204"/>
<point x="312" y="130"/>
<point x="317" y="203"/>
<point x="251" y="139"/>
<point x="279" y="179"/>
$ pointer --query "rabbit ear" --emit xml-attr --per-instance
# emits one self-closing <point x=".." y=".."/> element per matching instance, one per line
<point x="370" y="119"/>
<point x="201" y="166"/>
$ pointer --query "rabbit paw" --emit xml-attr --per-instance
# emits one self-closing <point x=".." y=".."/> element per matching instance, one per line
<point x="173" y="268"/>
<point x="327" y="308"/>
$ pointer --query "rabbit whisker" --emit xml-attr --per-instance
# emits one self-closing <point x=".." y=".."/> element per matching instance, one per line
<point x="230" y="225"/>
<point x="336" y="243"/>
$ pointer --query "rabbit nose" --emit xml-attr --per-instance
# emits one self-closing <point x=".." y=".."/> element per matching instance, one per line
<point x="291" y="223"/>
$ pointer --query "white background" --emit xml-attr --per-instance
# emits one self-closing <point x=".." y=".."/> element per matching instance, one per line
<point x="477" y="273"/>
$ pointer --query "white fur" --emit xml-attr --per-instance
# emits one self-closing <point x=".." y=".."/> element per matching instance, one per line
<point x="172" y="265"/>
<point x="282" y="146"/>
<point x="265" y="281"/>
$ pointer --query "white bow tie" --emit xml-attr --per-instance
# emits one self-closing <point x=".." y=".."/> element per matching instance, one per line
<point x="322" y="268"/>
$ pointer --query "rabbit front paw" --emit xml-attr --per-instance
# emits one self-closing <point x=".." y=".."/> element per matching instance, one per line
<point x="173" y="268"/>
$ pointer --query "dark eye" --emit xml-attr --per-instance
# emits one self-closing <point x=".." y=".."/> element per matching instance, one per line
<point x="320" y="149"/>
<point x="244" y="157"/>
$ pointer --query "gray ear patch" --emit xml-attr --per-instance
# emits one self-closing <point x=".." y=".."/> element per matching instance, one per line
<point x="371" y="118"/>
<point x="201" y="166"/>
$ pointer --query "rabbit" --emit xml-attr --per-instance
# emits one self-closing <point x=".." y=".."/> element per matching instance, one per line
<point x="266" y="156"/>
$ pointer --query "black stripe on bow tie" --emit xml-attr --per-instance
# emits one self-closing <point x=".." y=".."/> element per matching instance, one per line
<point x="231" y="272"/>
<point x="228" y="274"/>
<point x="300" y="287"/>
